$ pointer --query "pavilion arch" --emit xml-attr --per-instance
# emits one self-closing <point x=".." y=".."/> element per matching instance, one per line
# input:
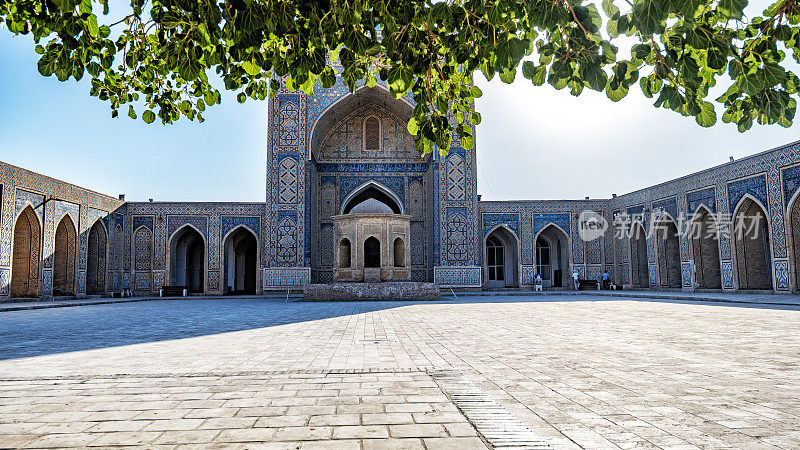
<point x="345" y="254"/>
<point x="751" y="238"/>
<point x="26" y="254"/>
<point x="64" y="256"/>
<point x="240" y="261"/>
<point x="704" y="249"/>
<point x="501" y="257"/>
<point x="399" y="259"/>
<point x="640" y="271"/>
<point x="372" y="252"/>
<point x="96" y="257"/>
<point x="187" y="258"/>
<point x="378" y="95"/>
<point x="372" y="189"/>
<point x="552" y="255"/>
<point x="668" y="252"/>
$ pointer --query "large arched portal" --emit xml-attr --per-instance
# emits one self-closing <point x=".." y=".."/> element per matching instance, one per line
<point x="187" y="259"/>
<point x="64" y="258"/>
<point x="25" y="262"/>
<point x="640" y="273"/>
<point x="751" y="237"/>
<point x="705" y="251"/>
<point x="552" y="256"/>
<point x="501" y="259"/>
<point x="669" y="254"/>
<point x="96" y="259"/>
<point x="241" y="257"/>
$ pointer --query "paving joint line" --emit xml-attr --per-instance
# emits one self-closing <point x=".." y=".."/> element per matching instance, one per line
<point x="497" y="427"/>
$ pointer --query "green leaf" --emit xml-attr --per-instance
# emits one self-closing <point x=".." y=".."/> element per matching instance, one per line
<point x="149" y="116"/>
<point x="610" y="8"/>
<point x="251" y="68"/>
<point x="707" y="116"/>
<point x="649" y="15"/>
<point x="131" y="112"/>
<point x="413" y="126"/>
<point x="732" y="9"/>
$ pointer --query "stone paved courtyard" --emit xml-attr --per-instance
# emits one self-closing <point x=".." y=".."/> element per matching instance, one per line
<point x="580" y="372"/>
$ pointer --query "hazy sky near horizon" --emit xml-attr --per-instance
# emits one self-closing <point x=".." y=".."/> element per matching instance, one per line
<point x="533" y="142"/>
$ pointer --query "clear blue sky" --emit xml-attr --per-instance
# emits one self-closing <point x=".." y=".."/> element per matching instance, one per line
<point x="533" y="143"/>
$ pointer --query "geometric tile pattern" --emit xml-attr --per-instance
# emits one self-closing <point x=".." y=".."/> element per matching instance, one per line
<point x="458" y="276"/>
<point x="287" y="180"/>
<point x="782" y="275"/>
<point x="456" y="177"/>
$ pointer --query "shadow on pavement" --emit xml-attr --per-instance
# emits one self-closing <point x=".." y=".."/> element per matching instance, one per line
<point x="58" y="330"/>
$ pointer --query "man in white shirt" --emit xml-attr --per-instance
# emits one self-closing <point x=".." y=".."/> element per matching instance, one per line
<point x="575" y="280"/>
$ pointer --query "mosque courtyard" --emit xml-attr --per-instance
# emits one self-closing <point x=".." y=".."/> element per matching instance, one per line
<point x="559" y="371"/>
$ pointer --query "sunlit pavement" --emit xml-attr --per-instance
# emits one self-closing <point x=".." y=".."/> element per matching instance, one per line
<point x="579" y="371"/>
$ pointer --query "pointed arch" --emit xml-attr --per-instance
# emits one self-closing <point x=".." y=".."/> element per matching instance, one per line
<point x="372" y="252"/>
<point x="668" y="252"/>
<point x="26" y="254"/>
<point x="501" y="257"/>
<point x="240" y="260"/>
<point x="752" y="244"/>
<point x="640" y="271"/>
<point x="350" y="102"/>
<point x="704" y="249"/>
<point x="64" y="256"/>
<point x="376" y="190"/>
<point x="96" y="257"/>
<point x="399" y="252"/>
<point x="186" y="259"/>
<point x="552" y="255"/>
<point x="793" y="234"/>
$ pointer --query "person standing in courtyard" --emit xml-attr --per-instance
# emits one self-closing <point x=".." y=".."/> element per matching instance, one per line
<point x="537" y="283"/>
<point x="575" y="278"/>
<point x="606" y="280"/>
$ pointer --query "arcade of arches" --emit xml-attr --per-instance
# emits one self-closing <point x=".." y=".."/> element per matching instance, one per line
<point x="347" y="194"/>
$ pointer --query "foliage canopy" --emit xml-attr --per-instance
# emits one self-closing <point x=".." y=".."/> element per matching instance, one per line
<point x="160" y="53"/>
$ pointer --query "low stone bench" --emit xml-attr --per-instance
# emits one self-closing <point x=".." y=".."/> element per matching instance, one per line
<point x="588" y="285"/>
<point x="173" y="291"/>
<point x="388" y="290"/>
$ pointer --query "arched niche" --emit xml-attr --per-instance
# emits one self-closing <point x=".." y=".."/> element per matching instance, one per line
<point x="751" y="239"/>
<point x="96" y="259"/>
<point x="240" y="261"/>
<point x="640" y="272"/>
<point x="377" y="96"/>
<point x="704" y="248"/>
<point x="26" y="259"/>
<point x="187" y="259"/>
<point x="552" y="256"/>
<point x="501" y="261"/>
<point x="669" y="253"/>
<point x="64" y="254"/>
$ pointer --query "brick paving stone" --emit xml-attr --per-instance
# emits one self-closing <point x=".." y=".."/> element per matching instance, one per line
<point x="361" y="432"/>
<point x="418" y="430"/>
<point x="466" y="443"/>
<point x="596" y="372"/>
